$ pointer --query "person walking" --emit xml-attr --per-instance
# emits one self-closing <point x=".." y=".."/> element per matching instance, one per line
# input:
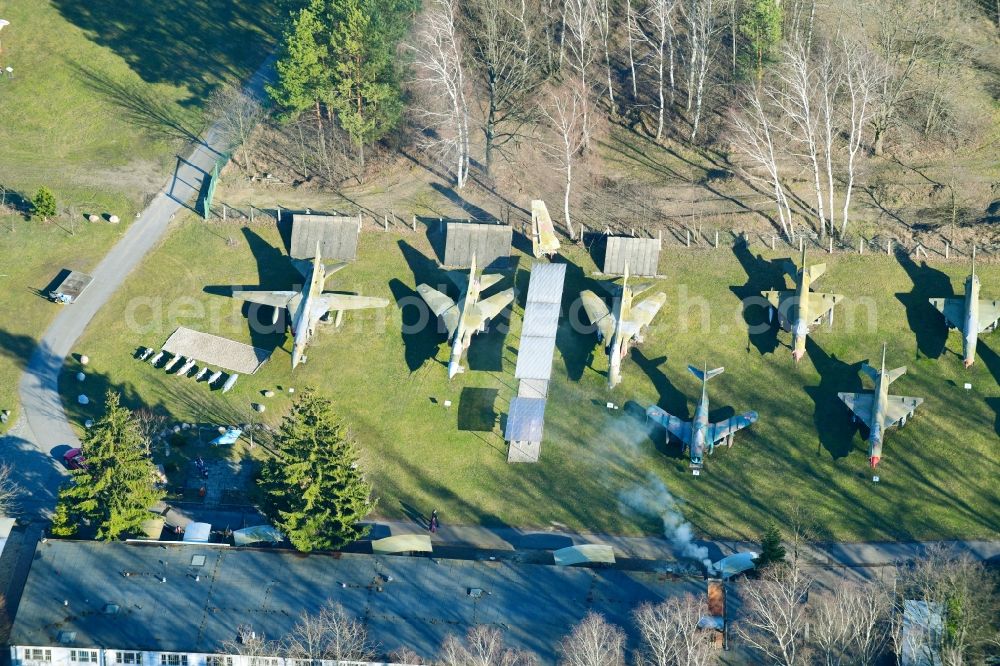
<point x="434" y="521"/>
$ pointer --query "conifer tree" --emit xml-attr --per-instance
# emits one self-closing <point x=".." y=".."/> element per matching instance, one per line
<point x="301" y="67"/>
<point x="43" y="204"/>
<point x="313" y="490"/>
<point x="116" y="486"/>
<point x="771" y="550"/>
<point x="760" y="27"/>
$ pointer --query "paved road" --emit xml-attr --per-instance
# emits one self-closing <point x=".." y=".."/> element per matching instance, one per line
<point x="36" y="442"/>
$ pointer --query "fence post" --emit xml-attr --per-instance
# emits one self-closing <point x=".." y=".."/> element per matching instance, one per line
<point x="716" y="239"/>
<point x="947" y="249"/>
<point x="224" y="212"/>
<point x="688" y="232"/>
<point x="251" y="213"/>
<point x="414" y="223"/>
<point x="774" y="241"/>
<point x="831" y="244"/>
<point x="279" y="214"/>
<point x="802" y="241"/>
<point x="659" y="235"/>
<point x="861" y="245"/>
<point x="888" y="247"/>
<point x="385" y="222"/>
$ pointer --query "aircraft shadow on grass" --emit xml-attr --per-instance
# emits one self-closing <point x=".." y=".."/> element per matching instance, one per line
<point x="992" y="362"/>
<point x="575" y="337"/>
<point x="762" y="275"/>
<point x="924" y="320"/>
<point x="422" y="332"/>
<point x="832" y="420"/>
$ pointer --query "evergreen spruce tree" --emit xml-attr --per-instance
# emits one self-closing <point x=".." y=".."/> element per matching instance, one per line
<point x="771" y="550"/>
<point x="301" y="67"/>
<point x="117" y="485"/>
<point x="760" y="27"/>
<point x="43" y="204"/>
<point x="313" y="490"/>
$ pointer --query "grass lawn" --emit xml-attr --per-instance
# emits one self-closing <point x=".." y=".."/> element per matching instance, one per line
<point x="937" y="477"/>
<point x="103" y="95"/>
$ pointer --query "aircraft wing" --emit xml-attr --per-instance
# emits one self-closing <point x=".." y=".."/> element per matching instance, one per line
<point x="862" y="404"/>
<point x="484" y="310"/>
<point x="776" y="298"/>
<point x="953" y="310"/>
<point x="822" y="303"/>
<point x="599" y="315"/>
<point x="898" y="407"/>
<point x="723" y="429"/>
<point x="488" y="280"/>
<point x="274" y="299"/>
<point x="679" y="428"/>
<point x="989" y="313"/>
<point x="327" y="302"/>
<point x="441" y="306"/>
<point x="643" y="313"/>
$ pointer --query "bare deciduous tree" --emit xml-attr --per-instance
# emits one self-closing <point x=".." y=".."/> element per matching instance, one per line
<point x="851" y="625"/>
<point x="862" y="78"/>
<point x="701" y="33"/>
<point x="9" y="490"/>
<point x="483" y="646"/>
<point x="508" y="69"/>
<point x="755" y="139"/>
<point x="594" y="642"/>
<point x="670" y="634"/>
<point x="605" y="27"/>
<point x="656" y="27"/>
<point x="580" y="25"/>
<point x="774" y="613"/>
<point x="239" y="113"/>
<point x="567" y="117"/>
<point x="252" y="645"/>
<point x="329" y="634"/>
<point x="445" y="111"/>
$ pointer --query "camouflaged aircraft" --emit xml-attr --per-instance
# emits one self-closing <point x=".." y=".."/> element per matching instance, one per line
<point x="617" y="328"/>
<point x="470" y="315"/>
<point x="307" y="306"/>
<point x="969" y="314"/>
<point x="800" y="310"/>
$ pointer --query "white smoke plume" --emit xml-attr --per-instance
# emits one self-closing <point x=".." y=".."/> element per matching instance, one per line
<point x="653" y="499"/>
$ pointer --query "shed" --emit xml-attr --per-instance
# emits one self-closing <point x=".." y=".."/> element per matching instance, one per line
<point x="490" y="243"/>
<point x="641" y="255"/>
<point x="584" y="554"/>
<point x="336" y="234"/>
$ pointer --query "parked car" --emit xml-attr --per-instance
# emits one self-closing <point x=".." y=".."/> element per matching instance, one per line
<point x="74" y="459"/>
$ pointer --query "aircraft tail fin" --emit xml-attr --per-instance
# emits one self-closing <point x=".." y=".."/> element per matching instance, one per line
<point x="705" y="375"/>
<point x="893" y="375"/>
<point x="814" y="272"/>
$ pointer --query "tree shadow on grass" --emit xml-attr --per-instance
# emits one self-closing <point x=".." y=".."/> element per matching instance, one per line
<point x="831" y="417"/>
<point x="187" y="43"/>
<point x="924" y="320"/>
<point x="762" y="275"/>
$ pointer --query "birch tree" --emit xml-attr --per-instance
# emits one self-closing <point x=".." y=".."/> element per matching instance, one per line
<point x="580" y="26"/>
<point x="861" y="80"/>
<point x="774" y="613"/>
<point x="754" y="138"/>
<point x="670" y="635"/>
<point x="701" y="32"/>
<point x="829" y="81"/>
<point x="851" y="624"/>
<point x="483" y="646"/>
<point x="657" y="29"/>
<point x="565" y="114"/>
<point x="328" y="635"/>
<point x="603" y="15"/>
<point x="445" y="111"/>
<point x="594" y="642"/>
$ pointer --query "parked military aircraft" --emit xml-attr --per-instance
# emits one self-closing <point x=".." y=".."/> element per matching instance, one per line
<point x="469" y="316"/>
<point x="617" y="328"/>
<point x="878" y="410"/>
<point x="308" y="306"/>
<point x="699" y="433"/>
<point x="543" y="233"/>
<point x="971" y="315"/>
<point x="799" y="310"/>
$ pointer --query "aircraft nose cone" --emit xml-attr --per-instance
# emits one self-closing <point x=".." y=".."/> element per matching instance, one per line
<point x="797" y="355"/>
<point x="874" y="461"/>
<point x="968" y="363"/>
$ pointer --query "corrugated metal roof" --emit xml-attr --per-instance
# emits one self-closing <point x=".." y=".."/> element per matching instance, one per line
<point x="337" y="235"/>
<point x="489" y="242"/>
<point x="546" y="285"/>
<point x="641" y="254"/>
<point x="540" y="320"/>
<point x="533" y="388"/>
<point x="534" y="358"/>
<point x="525" y="421"/>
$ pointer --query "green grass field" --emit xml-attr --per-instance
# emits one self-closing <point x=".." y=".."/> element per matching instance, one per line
<point x="937" y="477"/>
<point x="103" y="96"/>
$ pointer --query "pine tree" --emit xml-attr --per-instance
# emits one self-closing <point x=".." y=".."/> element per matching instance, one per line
<point x="301" y="67"/>
<point x="760" y="27"/>
<point x="313" y="490"/>
<point x="43" y="204"/>
<point x="771" y="550"/>
<point x="116" y="487"/>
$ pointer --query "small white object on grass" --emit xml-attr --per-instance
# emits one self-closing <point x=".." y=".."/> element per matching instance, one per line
<point x="89" y="423"/>
<point x="968" y="386"/>
<point x="611" y="405"/>
<point x="84" y="359"/>
<point x="447" y="403"/>
<point x="114" y="219"/>
<point x="80" y="376"/>
<point x="875" y="479"/>
<point x="93" y="218"/>
<point x="291" y="390"/>
<point x="259" y="407"/>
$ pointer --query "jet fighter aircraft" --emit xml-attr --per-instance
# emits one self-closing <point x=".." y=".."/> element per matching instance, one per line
<point x="307" y="306"/>
<point x="698" y="433"/>
<point x="878" y="410"/>
<point x="469" y="316"/>
<point x="970" y="315"/>
<point x="799" y="310"/>
<point x="618" y="328"/>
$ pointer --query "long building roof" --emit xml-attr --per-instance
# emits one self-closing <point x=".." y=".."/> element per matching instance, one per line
<point x="113" y="595"/>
